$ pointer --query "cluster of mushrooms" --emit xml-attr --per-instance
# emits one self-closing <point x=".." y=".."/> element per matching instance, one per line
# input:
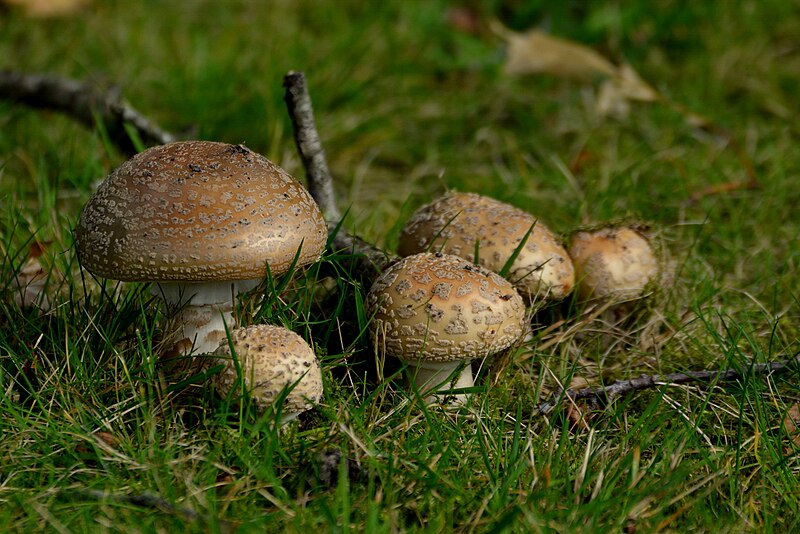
<point x="204" y="221"/>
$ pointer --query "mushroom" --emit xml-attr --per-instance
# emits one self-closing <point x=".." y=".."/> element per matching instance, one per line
<point x="204" y="221"/>
<point x="467" y="223"/>
<point x="437" y="312"/>
<point x="271" y="360"/>
<point x="615" y="263"/>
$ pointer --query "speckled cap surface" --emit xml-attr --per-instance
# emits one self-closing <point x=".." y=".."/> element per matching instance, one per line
<point x="439" y="307"/>
<point x="198" y="211"/>
<point x="615" y="262"/>
<point x="454" y="223"/>
<point x="271" y="358"/>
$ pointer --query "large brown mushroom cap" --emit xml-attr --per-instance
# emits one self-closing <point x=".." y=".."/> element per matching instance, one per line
<point x="271" y="358"/>
<point x="196" y="211"/>
<point x="439" y="307"/>
<point x="613" y="263"/>
<point x="454" y="223"/>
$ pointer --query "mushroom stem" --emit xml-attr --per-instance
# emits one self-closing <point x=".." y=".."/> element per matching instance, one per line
<point x="202" y="310"/>
<point x="431" y="376"/>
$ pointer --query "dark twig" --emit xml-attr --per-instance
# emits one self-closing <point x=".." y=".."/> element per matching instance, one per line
<point x="154" y="502"/>
<point x="320" y="181"/>
<point x="86" y="103"/>
<point x="145" y="500"/>
<point x="603" y="395"/>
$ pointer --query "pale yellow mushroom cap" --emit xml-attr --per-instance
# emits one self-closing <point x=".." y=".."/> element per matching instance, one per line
<point x="271" y="358"/>
<point x="454" y="223"/>
<point x="439" y="307"/>
<point x="196" y="211"/>
<point x="613" y="263"/>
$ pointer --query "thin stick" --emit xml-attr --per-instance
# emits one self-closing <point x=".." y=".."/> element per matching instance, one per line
<point x="86" y="103"/>
<point x="309" y="145"/>
<point x="603" y="395"/>
<point x="320" y="181"/>
<point x="145" y="500"/>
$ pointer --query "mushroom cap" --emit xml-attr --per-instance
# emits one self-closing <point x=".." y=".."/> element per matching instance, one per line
<point x="271" y="358"/>
<point x="454" y="223"/>
<point x="615" y="262"/>
<point x="441" y="308"/>
<point x="198" y="211"/>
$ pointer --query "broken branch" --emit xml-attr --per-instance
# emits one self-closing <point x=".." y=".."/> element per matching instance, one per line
<point x="86" y="103"/>
<point x="320" y="181"/>
<point x="602" y="395"/>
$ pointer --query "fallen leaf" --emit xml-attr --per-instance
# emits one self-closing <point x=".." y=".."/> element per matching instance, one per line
<point x="107" y="438"/>
<point x="535" y="52"/>
<point x="610" y="101"/>
<point x="29" y="286"/>
<point x="463" y="19"/>
<point x="577" y="416"/>
<point x="48" y="8"/>
<point x="578" y="382"/>
<point x="791" y="422"/>
<point x="632" y="86"/>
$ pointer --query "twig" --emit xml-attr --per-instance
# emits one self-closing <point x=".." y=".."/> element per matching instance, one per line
<point x="605" y="394"/>
<point x="320" y="181"/>
<point x="86" y="103"/>
<point x="309" y="145"/>
<point x="727" y="187"/>
<point x="145" y="500"/>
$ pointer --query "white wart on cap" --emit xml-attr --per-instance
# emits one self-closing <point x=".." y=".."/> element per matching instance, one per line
<point x="272" y="360"/>
<point x="203" y="219"/>
<point x="616" y="263"/>
<point x="458" y="223"/>
<point x="435" y="311"/>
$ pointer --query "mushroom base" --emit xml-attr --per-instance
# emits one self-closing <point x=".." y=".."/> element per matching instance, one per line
<point x="429" y="377"/>
<point x="202" y="310"/>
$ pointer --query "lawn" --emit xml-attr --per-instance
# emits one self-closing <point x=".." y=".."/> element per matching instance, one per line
<point x="412" y="100"/>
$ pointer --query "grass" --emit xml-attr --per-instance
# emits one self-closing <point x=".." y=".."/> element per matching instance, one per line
<point x="409" y="106"/>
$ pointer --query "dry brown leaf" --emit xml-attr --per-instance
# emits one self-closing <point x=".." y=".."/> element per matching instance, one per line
<point x="791" y="422"/>
<point x="610" y="101"/>
<point x="578" y="417"/>
<point x="632" y="86"/>
<point x="29" y="287"/>
<point x="535" y="52"/>
<point x="578" y="382"/>
<point x="48" y="8"/>
<point x="463" y="19"/>
<point x="615" y="94"/>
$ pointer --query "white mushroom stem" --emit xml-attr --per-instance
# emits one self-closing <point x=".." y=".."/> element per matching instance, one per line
<point x="431" y="376"/>
<point x="202" y="309"/>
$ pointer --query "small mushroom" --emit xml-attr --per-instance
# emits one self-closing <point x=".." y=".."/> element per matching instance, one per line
<point x="615" y="263"/>
<point x="271" y="359"/>
<point x="463" y="223"/>
<point x="437" y="312"/>
<point x="203" y="220"/>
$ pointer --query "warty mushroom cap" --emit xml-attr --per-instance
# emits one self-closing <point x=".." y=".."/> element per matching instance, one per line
<point x="195" y="211"/>
<point x="615" y="262"/>
<point x="271" y="358"/>
<point x="442" y="308"/>
<point x="453" y="223"/>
